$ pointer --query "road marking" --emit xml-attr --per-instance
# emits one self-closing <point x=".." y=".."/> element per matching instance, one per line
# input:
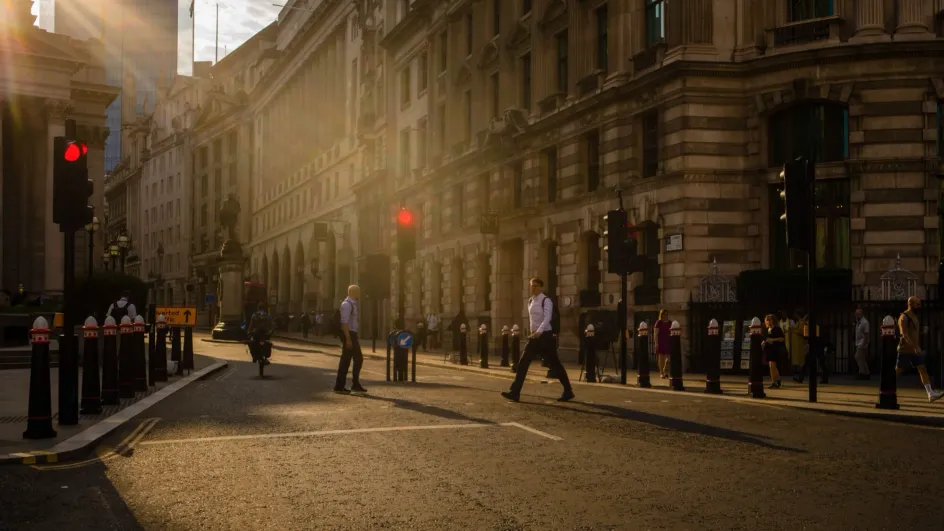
<point x="303" y="434"/>
<point x="295" y="412"/>
<point x="126" y="444"/>
<point x="227" y="375"/>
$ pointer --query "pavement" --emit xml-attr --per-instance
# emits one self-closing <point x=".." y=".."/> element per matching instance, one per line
<point x="844" y="395"/>
<point x="71" y="441"/>
<point x="235" y="451"/>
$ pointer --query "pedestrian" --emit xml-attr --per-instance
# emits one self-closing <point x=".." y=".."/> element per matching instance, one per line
<point x="663" y="329"/>
<point x="421" y="334"/>
<point x="319" y="320"/>
<point x="456" y="328"/>
<point x="541" y="343"/>
<point x="862" y="345"/>
<point x="795" y="342"/>
<point x="909" y="347"/>
<point x="432" y="328"/>
<point x="818" y="355"/>
<point x="350" y="324"/>
<point x="774" y="349"/>
<point x="305" y="323"/>
<point x="122" y="307"/>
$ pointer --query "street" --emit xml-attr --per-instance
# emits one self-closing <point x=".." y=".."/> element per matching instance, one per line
<point x="239" y="452"/>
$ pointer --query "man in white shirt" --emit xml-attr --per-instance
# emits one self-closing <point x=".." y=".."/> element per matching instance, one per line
<point x="862" y="345"/>
<point x="351" y="346"/>
<point x="541" y="342"/>
<point x="432" y="329"/>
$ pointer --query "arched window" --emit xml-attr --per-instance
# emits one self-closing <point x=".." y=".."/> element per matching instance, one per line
<point x="815" y="129"/>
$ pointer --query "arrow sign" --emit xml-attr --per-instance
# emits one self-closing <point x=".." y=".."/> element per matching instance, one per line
<point x="178" y="316"/>
<point x="187" y="315"/>
<point x="405" y="340"/>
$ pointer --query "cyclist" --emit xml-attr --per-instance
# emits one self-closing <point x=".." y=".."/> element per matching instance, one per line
<point x="260" y="329"/>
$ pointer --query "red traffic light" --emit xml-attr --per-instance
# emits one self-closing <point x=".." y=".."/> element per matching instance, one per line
<point x="72" y="153"/>
<point x="405" y="217"/>
<point x="84" y="149"/>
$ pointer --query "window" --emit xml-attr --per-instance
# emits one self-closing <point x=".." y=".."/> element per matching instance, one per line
<point x="655" y="21"/>
<point x="517" y="183"/>
<point x="405" y="86"/>
<point x="550" y="160"/>
<point x="469" y="36"/>
<point x="496" y="17"/>
<point x="404" y="152"/>
<point x="443" y="52"/>
<point x="833" y="246"/>
<point x="562" y="62"/>
<point x="495" y="94"/>
<point x="441" y="116"/>
<point x="818" y="130"/>
<point x="420" y="145"/>
<point x="423" y="74"/>
<point x="468" y="114"/>
<point x="203" y="215"/>
<point x="232" y="174"/>
<point x="526" y="81"/>
<point x="593" y="161"/>
<point x="807" y="9"/>
<point x="217" y="151"/>
<point x="650" y="144"/>
<point x="525" y="7"/>
<point x="594" y="255"/>
<point x="603" y="50"/>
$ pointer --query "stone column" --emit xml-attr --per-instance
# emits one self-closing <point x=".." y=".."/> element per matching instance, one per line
<point x="870" y="20"/>
<point x="913" y="17"/>
<point x="230" y="293"/>
<point x="620" y="29"/>
<point x="51" y="245"/>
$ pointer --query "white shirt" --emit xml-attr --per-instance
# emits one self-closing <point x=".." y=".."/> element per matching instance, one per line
<point x="350" y="315"/>
<point x="432" y="322"/>
<point x="540" y="310"/>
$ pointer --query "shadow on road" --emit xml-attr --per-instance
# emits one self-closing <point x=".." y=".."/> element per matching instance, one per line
<point x="675" y="424"/>
<point x="426" y="410"/>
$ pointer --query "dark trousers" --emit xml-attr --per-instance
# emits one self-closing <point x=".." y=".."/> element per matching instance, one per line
<point x="545" y="347"/>
<point x="304" y="331"/>
<point x="346" y="355"/>
<point x="818" y="356"/>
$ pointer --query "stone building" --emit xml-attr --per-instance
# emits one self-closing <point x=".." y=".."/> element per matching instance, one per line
<point x="538" y="110"/>
<point x="45" y="79"/>
<point x="306" y="158"/>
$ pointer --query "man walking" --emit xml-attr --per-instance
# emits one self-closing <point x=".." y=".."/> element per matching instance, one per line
<point x="350" y="324"/>
<point x="122" y="307"/>
<point x="432" y="330"/>
<point x="909" y="347"/>
<point x="541" y="342"/>
<point x="862" y="345"/>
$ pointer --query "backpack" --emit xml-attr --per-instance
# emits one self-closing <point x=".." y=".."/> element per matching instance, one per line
<point x="119" y="312"/>
<point x="555" y="317"/>
<point x="334" y="324"/>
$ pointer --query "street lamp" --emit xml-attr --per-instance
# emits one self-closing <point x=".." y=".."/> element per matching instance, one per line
<point x="106" y="256"/>
<point x="114" y="251"/>
<point x="20" y="288"/>
<point x="124" y="243"/>
<point x="91" y="229"/>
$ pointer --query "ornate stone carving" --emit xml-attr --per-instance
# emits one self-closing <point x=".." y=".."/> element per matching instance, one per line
<point x="56" y="110"/>
<point x="898" y="284"/>
<point x="716" y="287"/>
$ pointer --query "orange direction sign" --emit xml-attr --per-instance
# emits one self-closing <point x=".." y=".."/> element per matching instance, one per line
<point x="178" y="316"/>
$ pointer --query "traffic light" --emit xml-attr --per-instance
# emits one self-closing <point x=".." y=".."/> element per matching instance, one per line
<point x="406" y="235"/>
<point x="798" y="203"/>
<point x="617" y="249"/>
<point x="72" y="188"/>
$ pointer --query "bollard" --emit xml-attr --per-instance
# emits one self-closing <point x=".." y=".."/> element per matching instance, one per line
<point x="463" y="345"/>
<point x="138" y="357"/>
<point x="159" y="352"/>
<point x="125" y="357"/>
<point x="110" y="363"/>
<point x="483" y="347"/>
<point x="390" y="340"/>
<point x="675" y="357"/>
<point x="188" y="348"/>
<point x="504" y="345"/>
<point x="712" y="357"/>
<point x="91" y="378"/>
<point x="642" y="356"/>
<point x="888" y="388"/>
<point x="590" y="355"/>
<point x="175" y="350"/>
<point x="39" y="421"/>
<point x="515" y="347"/>
<point x="755" y="382"/>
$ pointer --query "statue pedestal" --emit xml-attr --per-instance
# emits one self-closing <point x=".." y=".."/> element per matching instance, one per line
<point x="230" y="295"/>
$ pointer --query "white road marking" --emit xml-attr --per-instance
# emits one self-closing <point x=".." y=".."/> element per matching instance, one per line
<point x="301" y="434"/>
<point x="294" y="412"/>
<point x="227" y="375"/>
<point x="127" y="443"/>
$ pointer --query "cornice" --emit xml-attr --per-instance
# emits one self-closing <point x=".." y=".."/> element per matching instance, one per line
<point x="412" y="24"/>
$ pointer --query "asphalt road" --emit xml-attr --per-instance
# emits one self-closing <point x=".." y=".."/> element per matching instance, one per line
<point x="285" y="453"/>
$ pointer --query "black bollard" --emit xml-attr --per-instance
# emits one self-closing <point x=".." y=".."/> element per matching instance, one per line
<point x="110" y="363"/>
<point x="483" y="347"/>
<point x="390" y="340"/>
<point x="755" y="384"/>
<point x="712" y="357"/>
<point x="515" y="347"/>
<point x="125" y="357"/>
<point x="675" y="357"/>
<point x="463" y="346"/>
<point x="91" y="403"/>
<point x="138" y="357"/>
<point x="642" y="356"/>
<point x="504" y="346"/>
<point x="176" y="354"/>
<point x="188" y="348"/>
<point x="888" y="388"/>
<point x="159" y="352"/>
<point x="590" y="355"/>
<point x="39" y="419"/>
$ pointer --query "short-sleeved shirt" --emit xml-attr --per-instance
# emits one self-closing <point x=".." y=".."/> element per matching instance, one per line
<point x="350" y="314"/>
<point x="663" y="331"/>
<point x="773" y="348"/>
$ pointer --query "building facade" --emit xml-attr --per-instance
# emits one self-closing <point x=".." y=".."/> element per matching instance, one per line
<point x="538" y="110"/>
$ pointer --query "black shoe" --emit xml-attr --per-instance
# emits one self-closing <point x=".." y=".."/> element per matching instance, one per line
<point x="356" y="388"/>
<point x="342" y="391"/>
<point x="514" y="397"/>
<point x="567" y="396"/>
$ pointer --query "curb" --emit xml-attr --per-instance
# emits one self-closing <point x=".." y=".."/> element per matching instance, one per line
<point x="901" y="418"/>
<point x="81" y="443"/>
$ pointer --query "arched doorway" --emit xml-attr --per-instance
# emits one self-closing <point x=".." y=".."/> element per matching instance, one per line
<point x="298" y="275"/>
<point x="274" y="282"/>
<point x="329" y="274"/>
<point x="264" y="273"/>
<point x="285" y="281"/>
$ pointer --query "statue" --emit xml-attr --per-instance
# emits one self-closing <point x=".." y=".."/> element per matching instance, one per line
<point x="229" y="215"/>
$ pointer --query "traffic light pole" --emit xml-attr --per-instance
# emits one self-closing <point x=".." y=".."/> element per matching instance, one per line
<point x="813" y="342"/>
<point x="624" y="310"/>
<point x="401" y="295"/>
<point x="68" y="357"/>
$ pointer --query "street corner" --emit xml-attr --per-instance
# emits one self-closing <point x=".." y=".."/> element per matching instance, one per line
<point x="101" y="451"/>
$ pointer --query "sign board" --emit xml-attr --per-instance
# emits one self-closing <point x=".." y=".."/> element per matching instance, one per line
<point x="673" y="243"/>
<point x="746" y="346"/>
<point x="405" y="339"/>
<point x="489" y="224"/>
<point x="727" y="345"/>
<point x="181" y="316"/>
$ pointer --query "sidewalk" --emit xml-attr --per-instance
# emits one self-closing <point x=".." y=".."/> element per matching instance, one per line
<point x="14" y="407"/>
<point x="843" y="395"/>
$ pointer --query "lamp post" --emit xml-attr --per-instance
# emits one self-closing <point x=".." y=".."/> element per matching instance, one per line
<point x="114" y="251"/>
<point x="124" y="243"/>
<point x="91" y="229"/>
<point x="106" y="256"/>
